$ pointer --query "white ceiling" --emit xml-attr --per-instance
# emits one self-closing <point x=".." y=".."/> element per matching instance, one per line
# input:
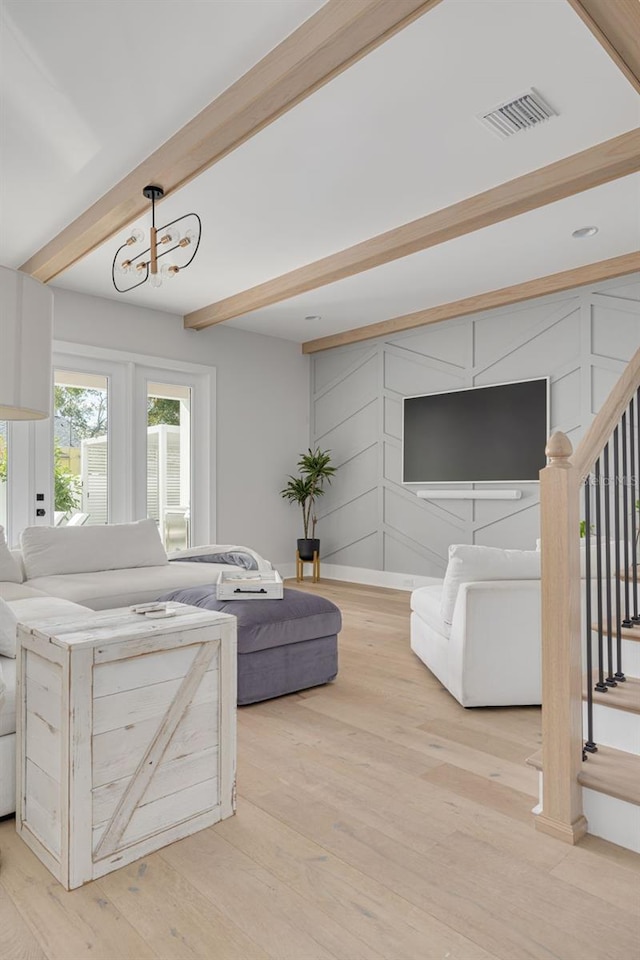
<point x="391" y="139"/>
<point x="89" y="89"/>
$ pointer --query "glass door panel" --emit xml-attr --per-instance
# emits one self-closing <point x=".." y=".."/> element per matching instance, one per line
<point x="169" y="462"/>
<point x="81" y="448"/>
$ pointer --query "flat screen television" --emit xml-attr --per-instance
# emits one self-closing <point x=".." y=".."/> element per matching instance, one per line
<point x="493" y="434"/>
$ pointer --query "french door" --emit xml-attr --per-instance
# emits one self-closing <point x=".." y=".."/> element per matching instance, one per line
<point x="173" y="455"/>
<point x="127" y="439"/>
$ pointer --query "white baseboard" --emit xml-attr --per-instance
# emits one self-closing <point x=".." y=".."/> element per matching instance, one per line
<point x="372" y="578"/>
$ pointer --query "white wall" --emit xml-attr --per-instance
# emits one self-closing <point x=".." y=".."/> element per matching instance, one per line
<point x="581" y="339"/>
<point x="261" y="408"/>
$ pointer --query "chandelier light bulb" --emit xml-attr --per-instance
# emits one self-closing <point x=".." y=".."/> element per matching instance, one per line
<point x="141" y="266"/>
<point x="189" y="238"/>
<point x="171" y="236"/>
<point x="156" y="279"/>
<point x="136" y="236"/>
<point x="169" y="270"/>
<point x="123" y="266"/>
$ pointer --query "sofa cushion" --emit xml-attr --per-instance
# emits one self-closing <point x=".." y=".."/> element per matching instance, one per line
<point x="8" y="623"/>
<point x="120" y="588"/>
<point x="426" y="603"/>
<point x="469" y="564"/>
<point x="18" y="591"/>
<point x="8" y="701"/>
<point x="9" y="568"/>
<point x="51" y="551"/>
<point x="32" y="610"/>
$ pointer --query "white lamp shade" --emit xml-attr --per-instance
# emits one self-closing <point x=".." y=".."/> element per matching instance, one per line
<point x="26" y="333"/>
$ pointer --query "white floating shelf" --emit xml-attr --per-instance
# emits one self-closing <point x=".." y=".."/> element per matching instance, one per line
<point x="469" y="494"/>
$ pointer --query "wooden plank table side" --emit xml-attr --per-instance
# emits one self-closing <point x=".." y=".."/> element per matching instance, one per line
<point x="111" y="712"/>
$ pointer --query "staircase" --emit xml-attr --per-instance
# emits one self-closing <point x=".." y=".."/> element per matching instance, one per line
<point x="590" y="759"/>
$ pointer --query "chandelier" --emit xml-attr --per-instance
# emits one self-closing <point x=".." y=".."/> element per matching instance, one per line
<point x="130" y="268"/>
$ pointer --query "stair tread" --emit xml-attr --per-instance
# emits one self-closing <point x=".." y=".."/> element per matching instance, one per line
<point x="614" y="773"/>
<point x="609" y="771"/>
<point x="631" y="633"/>
<point x="627" y="633"/>
<point x="626" y="696"/>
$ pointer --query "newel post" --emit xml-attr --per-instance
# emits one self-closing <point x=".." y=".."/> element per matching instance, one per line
<point x="561" y="815"/>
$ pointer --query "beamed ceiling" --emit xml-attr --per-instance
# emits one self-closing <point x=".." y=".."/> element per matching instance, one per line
<point x="333" y="151"/>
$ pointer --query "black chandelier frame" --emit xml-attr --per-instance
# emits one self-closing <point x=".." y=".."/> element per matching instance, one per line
<point x="154" y="193"/>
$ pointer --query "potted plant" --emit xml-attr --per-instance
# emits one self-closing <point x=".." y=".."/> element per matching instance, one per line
<point x="314" y="470"/>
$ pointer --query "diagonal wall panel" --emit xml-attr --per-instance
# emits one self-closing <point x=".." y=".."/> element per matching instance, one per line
<point x="352" y="436"/>
<point x="347" y="397"/>
<point x="580" y="340"/>
<point x="618" y="319"/>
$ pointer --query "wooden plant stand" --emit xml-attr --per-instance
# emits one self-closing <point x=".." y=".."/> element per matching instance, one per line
<point x="300" y="567"/>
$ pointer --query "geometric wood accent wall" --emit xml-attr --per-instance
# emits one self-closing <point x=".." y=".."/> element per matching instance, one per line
<point x="581" y="339"/>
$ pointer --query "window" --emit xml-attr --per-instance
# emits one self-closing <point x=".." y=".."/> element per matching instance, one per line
<point x="81" y="448"/>
<point x="169" y="461"/>
<point x="119" y="446"/>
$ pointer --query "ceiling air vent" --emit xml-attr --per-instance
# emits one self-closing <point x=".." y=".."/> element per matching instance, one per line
<point x="524" y="112"/>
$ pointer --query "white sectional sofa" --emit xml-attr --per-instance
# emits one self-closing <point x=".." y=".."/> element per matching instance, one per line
<point x="63" y="571"/>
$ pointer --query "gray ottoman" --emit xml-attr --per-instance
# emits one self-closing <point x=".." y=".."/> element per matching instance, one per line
<point x="283" y="645"/>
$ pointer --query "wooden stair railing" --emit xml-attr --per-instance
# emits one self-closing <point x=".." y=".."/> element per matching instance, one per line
<point x="561" y="483"/>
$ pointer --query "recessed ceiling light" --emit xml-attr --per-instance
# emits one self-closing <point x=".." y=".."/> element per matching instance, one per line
<point x="584" y="232"/>
<point x="313" y="316"/>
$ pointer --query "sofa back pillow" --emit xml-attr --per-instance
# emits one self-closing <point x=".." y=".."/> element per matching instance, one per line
<point x="48" y="551"/>
<point x="9" y="568"/>
<point x="469" y="564"/>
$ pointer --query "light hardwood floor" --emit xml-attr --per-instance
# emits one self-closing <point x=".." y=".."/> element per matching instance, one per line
<point x="376" y="819"/>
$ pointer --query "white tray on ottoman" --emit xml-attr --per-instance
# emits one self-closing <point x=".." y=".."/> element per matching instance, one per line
<point x="249" y="585"/>
<point x="126" y="735"/>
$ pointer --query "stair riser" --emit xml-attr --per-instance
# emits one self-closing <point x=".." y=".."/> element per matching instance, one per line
<point x="630" y="657"/>
<point x="614" y="728"/>
<point x="615" y="820"/>
<point x="612" y="819"/>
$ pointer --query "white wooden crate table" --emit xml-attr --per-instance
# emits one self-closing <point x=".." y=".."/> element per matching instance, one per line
<point x="126" y="735"/>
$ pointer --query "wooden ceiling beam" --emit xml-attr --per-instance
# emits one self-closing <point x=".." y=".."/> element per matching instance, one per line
<point x="540" y="287"/>
<point x="339" y="34"/>
<point x="581" y="171"/>
<point x="616" y="25"/>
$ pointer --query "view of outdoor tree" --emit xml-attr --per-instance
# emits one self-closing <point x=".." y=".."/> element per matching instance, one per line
<point x="163" y="410"/>
<point x="84" y="409"/>
<point x="66" y="485"/>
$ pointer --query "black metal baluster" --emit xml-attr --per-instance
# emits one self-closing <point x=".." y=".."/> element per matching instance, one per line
<point x="600" y="685"/>
<point x="635" y="466"/>
<point x="625" y="520"/>
<point x="632" y="506"/>
<point x="619" y="675"/>
<point x="606" y="493"/>
<point x="589" y="745"/>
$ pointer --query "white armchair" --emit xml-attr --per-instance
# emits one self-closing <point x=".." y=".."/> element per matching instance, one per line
<point x="478" y="630"/>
